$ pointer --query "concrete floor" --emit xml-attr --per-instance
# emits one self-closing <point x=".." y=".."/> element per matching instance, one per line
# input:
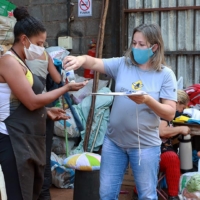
<point x="61" y="194"/>
<point x="67" y="194"/>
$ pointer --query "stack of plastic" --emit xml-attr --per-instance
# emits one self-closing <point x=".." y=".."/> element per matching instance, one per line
<point x="7" y="22"/>
<point x="6" y="30"/>
<point x="189" y="185"/>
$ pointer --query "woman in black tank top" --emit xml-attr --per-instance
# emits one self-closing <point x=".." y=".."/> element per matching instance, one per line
<point x="22" y="151"/>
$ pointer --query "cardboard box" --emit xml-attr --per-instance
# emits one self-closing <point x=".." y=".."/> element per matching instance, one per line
<point x="128" y="177"/>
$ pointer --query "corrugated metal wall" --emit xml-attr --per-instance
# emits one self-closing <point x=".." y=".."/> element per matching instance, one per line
<point x="180" y="31"/>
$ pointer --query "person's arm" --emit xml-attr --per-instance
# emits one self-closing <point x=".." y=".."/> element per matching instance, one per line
<point x="87" y="62"/>
<point x="56" y="114"/>
<point x="53" y="71"/>
<point x="12" y="73"/>
<point x="166" y="131"/>
<point x="166" y="109"/>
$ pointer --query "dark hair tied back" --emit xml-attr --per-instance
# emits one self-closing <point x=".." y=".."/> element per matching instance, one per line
<point x="20" y="13"/>
<point x="26" y="24"/>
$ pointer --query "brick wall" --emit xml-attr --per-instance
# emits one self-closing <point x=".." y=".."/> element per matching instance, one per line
<point x="54" y="15"/>
<point x="83" y="29"/>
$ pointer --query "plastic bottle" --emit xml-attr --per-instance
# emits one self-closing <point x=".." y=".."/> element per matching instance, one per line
<point x="70" y="76"/>
<point x="185" y="154"/>
<point x="180" y="83"/>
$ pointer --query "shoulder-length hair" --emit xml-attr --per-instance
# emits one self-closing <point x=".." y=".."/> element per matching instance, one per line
<point x="153" y="36"/>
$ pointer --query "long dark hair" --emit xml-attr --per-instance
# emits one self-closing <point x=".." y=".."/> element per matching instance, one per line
<point x="26" y="24"/>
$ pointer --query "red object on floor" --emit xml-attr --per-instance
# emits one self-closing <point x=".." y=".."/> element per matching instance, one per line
<point x="170" y="165"/>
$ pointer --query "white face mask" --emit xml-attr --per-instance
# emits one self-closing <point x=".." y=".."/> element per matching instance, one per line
<point x="33" y="52"/>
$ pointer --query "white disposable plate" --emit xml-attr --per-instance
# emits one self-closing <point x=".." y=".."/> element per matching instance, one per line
<point x="121" y="93"/>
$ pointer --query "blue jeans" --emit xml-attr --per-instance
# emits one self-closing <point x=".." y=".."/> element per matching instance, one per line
<point x="114" y="161"/>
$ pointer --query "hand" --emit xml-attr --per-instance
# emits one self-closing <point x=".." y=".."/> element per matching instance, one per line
<point x="56" y="114"/>
<point x="72" y="62"/>
<point x="72" y="86"/>
<point x="139" y="99"/>
<point x="185" y="130"/>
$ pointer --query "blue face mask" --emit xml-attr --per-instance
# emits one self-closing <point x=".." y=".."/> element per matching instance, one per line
<point x="141" y="56"/>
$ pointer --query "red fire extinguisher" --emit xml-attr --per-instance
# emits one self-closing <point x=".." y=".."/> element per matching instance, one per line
<point x="91" y="52"/>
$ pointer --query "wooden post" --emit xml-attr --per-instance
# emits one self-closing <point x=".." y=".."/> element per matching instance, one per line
<point x="99" y="49"/>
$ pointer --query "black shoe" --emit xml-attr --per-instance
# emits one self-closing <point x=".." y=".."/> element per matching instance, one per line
<point x="173" y="198"/>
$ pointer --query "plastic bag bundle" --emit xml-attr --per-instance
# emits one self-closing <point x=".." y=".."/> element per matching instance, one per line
<point x="71" y="126"/>
<point x="59" y="145"/>
<point x="6" y="30"/>
<point x="189" y="185"/>
<point x="57" y="52"/>
<point x="62" y="177"/>
<point x="193" y="184"/>
<point x="79" y="95"/>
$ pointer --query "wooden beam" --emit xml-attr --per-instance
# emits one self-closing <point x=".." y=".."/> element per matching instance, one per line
<point x="182" y="8"/>
<point x="99" y="49"/>
<point x="182" y="52"/>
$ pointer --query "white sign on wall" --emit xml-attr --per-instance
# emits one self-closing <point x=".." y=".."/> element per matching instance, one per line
<point x="84" y="8"/>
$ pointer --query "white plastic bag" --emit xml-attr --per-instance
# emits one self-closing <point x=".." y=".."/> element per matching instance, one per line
<point x="180" y="83"/>
<point x="7" y="23"/>
<point x="79" y="95"/>
<point x="57" y="52"/>
<point x="6" y="30"/>
<point x="184" y="194"/>
<point x="71" y="126"/>
<point x="62" y="177"/>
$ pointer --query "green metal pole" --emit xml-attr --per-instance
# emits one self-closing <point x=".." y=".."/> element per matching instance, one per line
<point x="65" y="128"/>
